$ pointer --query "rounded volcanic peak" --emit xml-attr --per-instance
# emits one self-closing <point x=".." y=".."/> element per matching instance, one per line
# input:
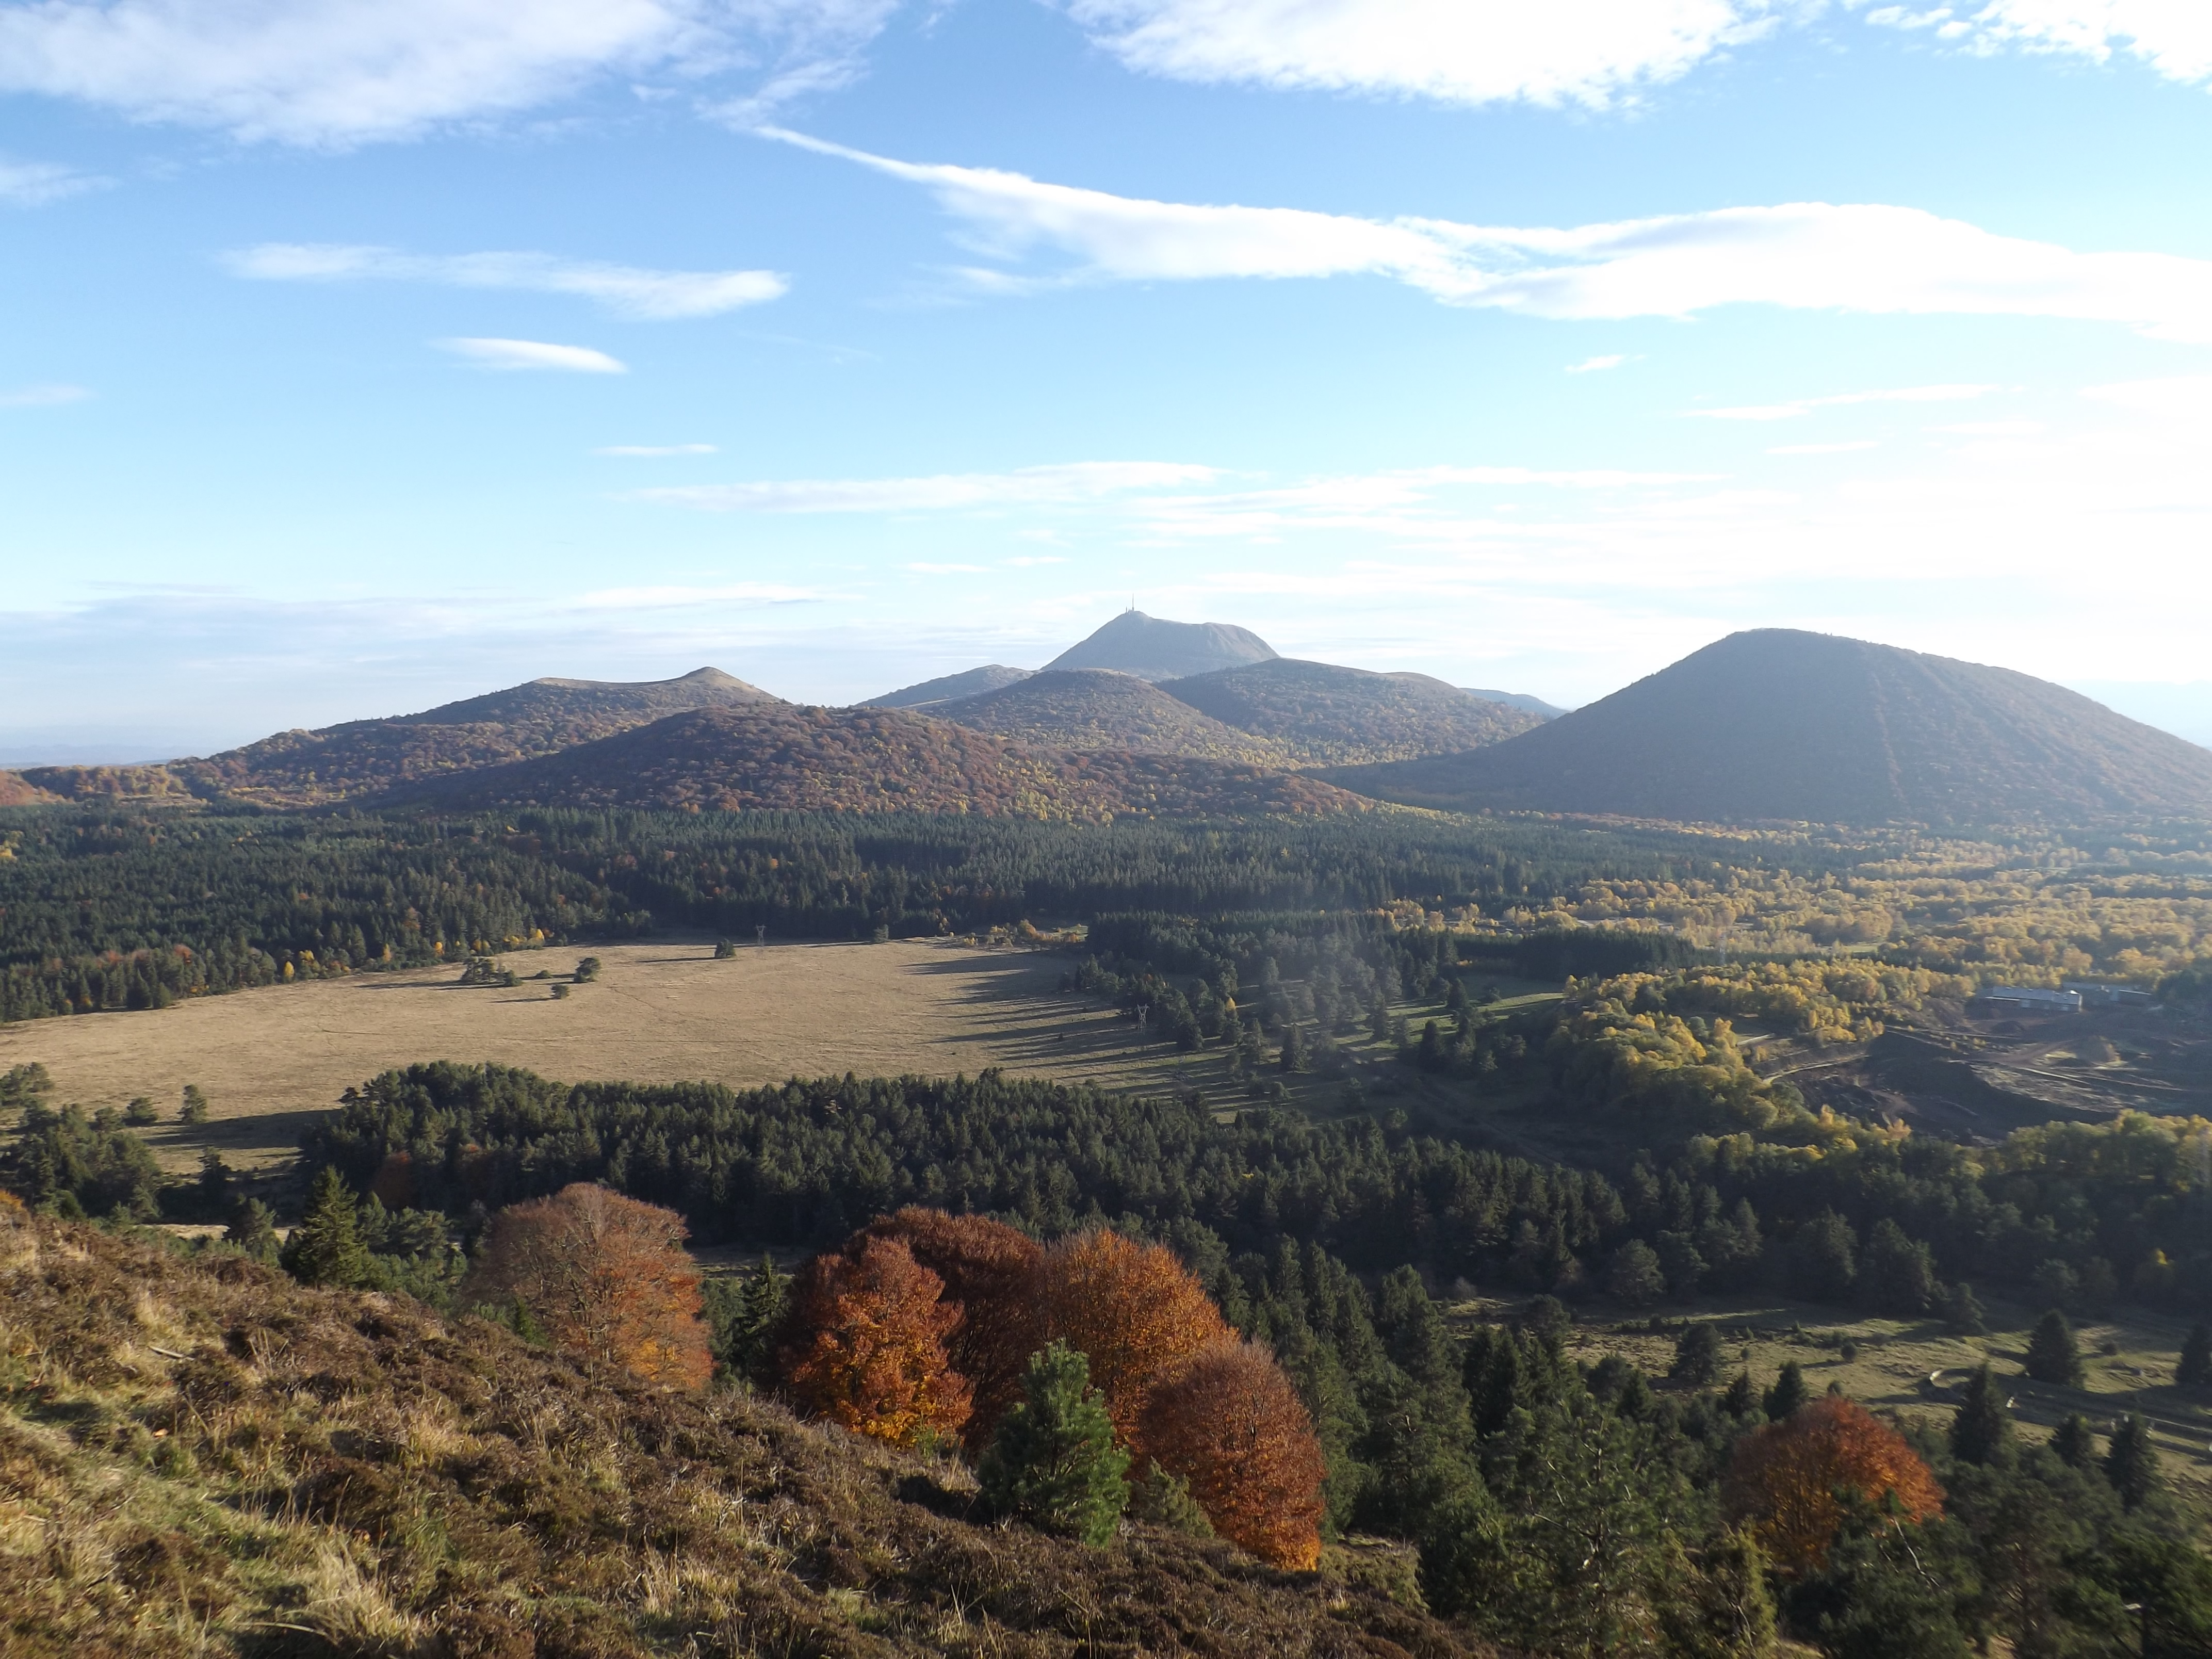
<point x="1105" y="708"/>
<point x="1328" y="716"/>
<point x="553" y="698"/>
<point x="1783" y="725"/>
<point x="950" y="687"/>
<point x="1154" y="649"/>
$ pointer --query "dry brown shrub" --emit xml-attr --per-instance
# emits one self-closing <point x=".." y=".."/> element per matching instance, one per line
<point x="1231" y="1423"/>
<point x="606" y="1276"/>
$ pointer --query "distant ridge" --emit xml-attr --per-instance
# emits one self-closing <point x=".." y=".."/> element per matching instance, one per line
<point x="15" y="791"/>
<point x="1779" y="725"/>
<point x="782" y="757"/>
<point x="950" y="687"/>
<point x="1152" y="649"/>
<point x="1103" y="708"/>
<point x="1518" y="700"/>
<point x="1321" y="714"/>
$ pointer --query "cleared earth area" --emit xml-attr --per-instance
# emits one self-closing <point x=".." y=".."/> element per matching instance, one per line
<point x="658" y="1013"/>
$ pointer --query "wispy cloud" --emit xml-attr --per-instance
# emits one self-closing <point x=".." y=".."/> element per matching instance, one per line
<point x="650" y="452"/>
<point x="43" y="397"/>
<point x="676" y="597"/>
<point x="1592" y="52"/>
<point x="34" y="183"/>
<point x="947" y="569"/>
<point x="1596" y="364"/>
<point x="1082" y="481"/>
<point x="534" y="354"/>
<point x="1803" y="255"/>
<point x="1792" y="410"/>
<point x="2173" y="37"/>
<point x="635" y="291"/>
<point x="343" y="72"/>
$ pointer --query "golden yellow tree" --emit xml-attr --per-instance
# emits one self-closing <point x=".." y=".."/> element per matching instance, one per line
<point x="1133" y="1309"/>
<point x="867" y="1349"/>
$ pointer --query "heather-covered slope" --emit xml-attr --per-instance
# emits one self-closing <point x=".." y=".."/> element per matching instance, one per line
<point x="948" y="688"/>
<point x="205" y="1458"/>
<point x="15" y="791"/>
<point x="1154" y="649"/>
<point x="872" y="759"/>
<point x="1321" y="714"/>
<point x="1776" y="724"/>
<point x="1096" y="709"/>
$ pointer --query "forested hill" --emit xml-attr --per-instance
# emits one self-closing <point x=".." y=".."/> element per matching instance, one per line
<point x="970" y="682"/>
<point x="872" y="759"/>
<point x="1153" y="648"/>
<point x="15" y="791"/>
<point x="1324" y="714"/>
<point x="1100" y="708"/>
<point x="1779" y="725"/>
<point x="368" y="757"/>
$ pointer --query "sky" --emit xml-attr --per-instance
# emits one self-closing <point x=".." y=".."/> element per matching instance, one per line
<point x="360" y="354"/>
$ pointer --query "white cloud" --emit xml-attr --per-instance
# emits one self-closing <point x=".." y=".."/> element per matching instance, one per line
<point x="1083" y="481"/>
<point x="659" y="295"/>
<point x="34" y="183"/>
<point x="2186" y="397"/>
<point x="2175" y="37"/>
<point x="1473" y="51"/>
<point x="1791" y="411"/>
<point x="338" y="72"/>
<point x="42" y="397"/>
<point x="671" y="598"/>
<point x="1803" y="255"/>
<point x="1596" y="364"/>
<point x="534" y="354"/>
<point x="655" y="451"/>
<point x="1848" y="447"/>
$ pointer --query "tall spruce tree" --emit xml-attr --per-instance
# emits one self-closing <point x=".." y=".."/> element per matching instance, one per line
<point x="2131" y="1463"/>
<point x="2076" y="1442"/>
<point x="2195" y="1370"/>
<point x="326" y="1249"/>
<point x="2052" y="1354"/>
<point x="1054" y="1462"/>
<point x="1788" y="1392"/>
<point x="1981" y="1431"/>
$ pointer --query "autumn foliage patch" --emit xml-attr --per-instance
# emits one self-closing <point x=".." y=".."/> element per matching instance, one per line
<point x="1795" y="1481"/>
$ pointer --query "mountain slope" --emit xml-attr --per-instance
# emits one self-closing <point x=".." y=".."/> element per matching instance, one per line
<point x="1151" y="649"/>
<point x="1518" y="700"/>
<point x="16" y="790"/>
<point x="1322" y="714"/>
<point x="871" y="760"/>
<point x="368" y="757"/>
<point x="1780" y="725"/>
<point x="203" y="1457"/>
<point x="973" y="683"/>
<point x="1096" y="708"/>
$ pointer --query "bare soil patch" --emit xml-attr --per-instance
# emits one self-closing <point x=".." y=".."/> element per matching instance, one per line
<point x="659" y="1012"/>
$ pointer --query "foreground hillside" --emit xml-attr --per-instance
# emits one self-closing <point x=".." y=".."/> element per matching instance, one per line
<point x="1322" y="714"/>
<point x="369" y="757"/>
<point x="205" y="1457"/>
<point x="872" y="759"/>
<point x="1779" y="725"/>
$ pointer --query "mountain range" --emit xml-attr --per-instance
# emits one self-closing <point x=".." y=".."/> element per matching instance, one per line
<point x="1767" y="726"/>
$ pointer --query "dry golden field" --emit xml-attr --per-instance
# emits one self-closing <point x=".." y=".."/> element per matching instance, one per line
<point x="659" y="1012"/>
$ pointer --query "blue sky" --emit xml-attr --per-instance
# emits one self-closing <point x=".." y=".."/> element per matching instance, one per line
<point x="360" y="354"/>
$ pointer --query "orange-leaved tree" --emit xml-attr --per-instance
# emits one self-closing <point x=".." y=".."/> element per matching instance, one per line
<point x="606" y="1278"/>
<point x="989" y="1271"/>
<point x="1795" y="1481"/>
<point x="1229" y="1423"/>
<point x="1133" y="1309"/>
<point x="867" y="1344"/>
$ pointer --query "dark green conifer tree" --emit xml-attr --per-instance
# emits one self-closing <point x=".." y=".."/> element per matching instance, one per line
<point x="1981" y="1429"/>
<point x="2131" y="1463"/>
<point x="1788" y="1394"/>
<point x="2195" y="1370"/>
<point x="1053" y="1463"/>
<point x="2074" y="1442"/>
<point x="2052" y="1354"/>
<point x="1697" y="1356"/>
<point x="252" y="1229"/>
<point x="327" y="1249"/>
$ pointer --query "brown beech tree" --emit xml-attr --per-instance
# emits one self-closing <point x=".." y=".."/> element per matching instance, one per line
<point x="607" y="1279"/>
<point x="1229" y="1423"/>
<point x="866" y="1348"/>
<point x="1133" y="1309"/>
<point x="989" y="1271"/>
<point x="1792" y="1481"/>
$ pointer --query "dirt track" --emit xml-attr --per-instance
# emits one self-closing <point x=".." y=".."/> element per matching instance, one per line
<point x="659" y="1012"/>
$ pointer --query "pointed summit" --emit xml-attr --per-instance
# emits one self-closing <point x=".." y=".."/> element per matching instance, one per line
<point x="1151" y="649"/>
